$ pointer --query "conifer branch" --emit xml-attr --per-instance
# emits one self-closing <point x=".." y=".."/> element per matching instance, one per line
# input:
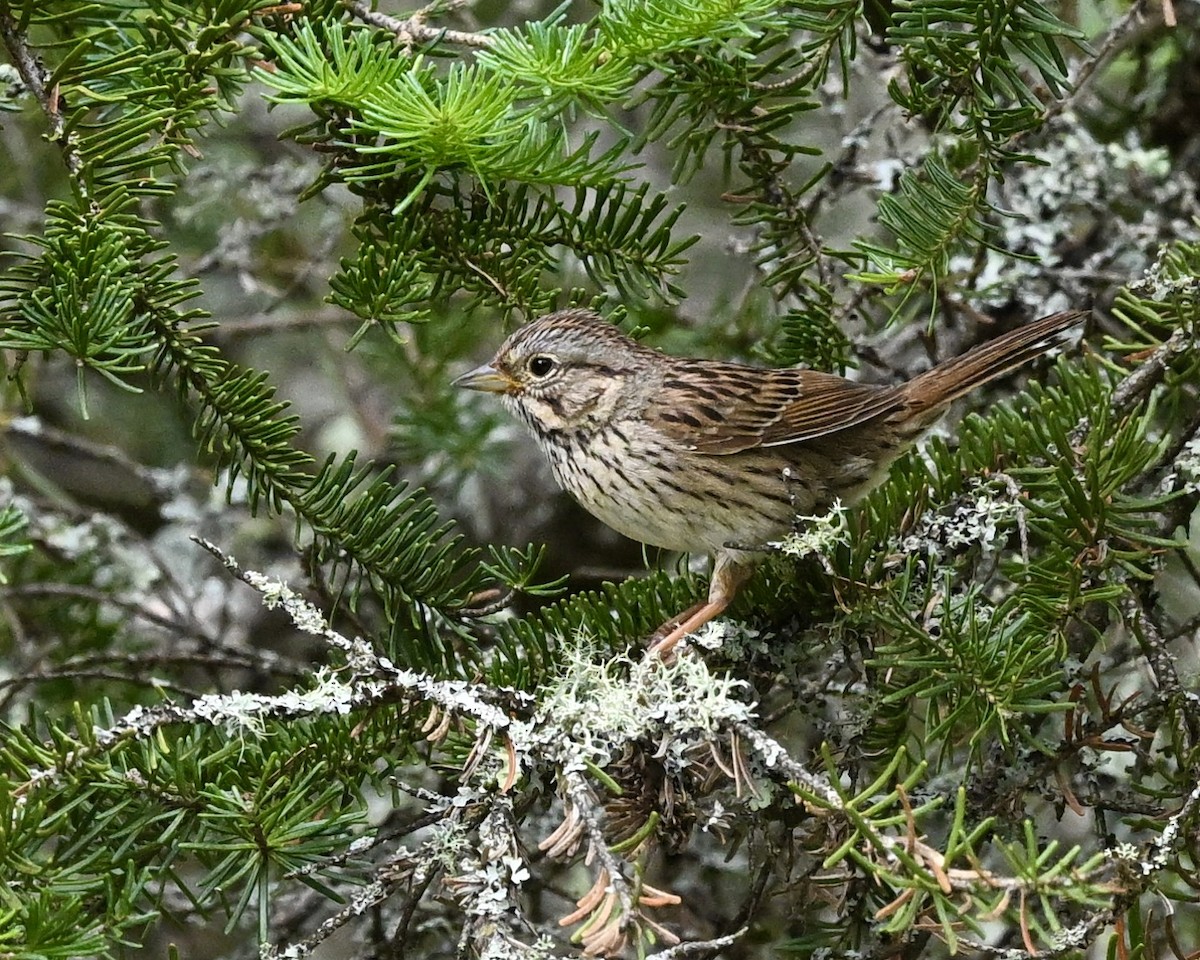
<point x="1116" y="35"/>
<point x="34" y="78"/>
<point x="1149" y="373"/>
<point x="414" y="30"/>
<point x="700" y="948"/>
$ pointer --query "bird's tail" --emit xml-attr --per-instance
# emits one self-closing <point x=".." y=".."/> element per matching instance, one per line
<point x="952" y="379"/>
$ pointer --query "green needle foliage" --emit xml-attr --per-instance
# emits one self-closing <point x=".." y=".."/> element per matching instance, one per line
<point x="957" y="717"/>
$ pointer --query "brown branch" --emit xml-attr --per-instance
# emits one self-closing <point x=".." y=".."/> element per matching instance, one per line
<point x="265" y="322"/>
<point x="34" y="77"/>
<point x="1137" y="386"/>
<point x="413" y="30"/>
<point x="700" y="948"/>
<point x="1112" y="40"/>
<point x="162" y="483"/>
<point x="112" y="676"/>
<point x="92" y="595"/>
<point x="1159" y="659"/>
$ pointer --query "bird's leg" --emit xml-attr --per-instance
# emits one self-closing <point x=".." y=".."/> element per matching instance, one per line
<point x="727" y="578"/>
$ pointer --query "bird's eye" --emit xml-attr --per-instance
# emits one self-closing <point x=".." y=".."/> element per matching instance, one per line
<point x="541" y="365"/>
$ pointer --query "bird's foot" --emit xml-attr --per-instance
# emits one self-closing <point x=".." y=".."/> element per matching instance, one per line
<point x="728" y="576"/>
<point x="662" y="642"/>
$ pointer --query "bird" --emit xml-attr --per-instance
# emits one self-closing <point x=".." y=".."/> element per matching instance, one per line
<point x="717" y="457"/>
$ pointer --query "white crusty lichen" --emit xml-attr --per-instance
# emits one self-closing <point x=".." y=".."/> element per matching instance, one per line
<point x="486" y="884"/>
<point x="1162" y="280"/>
<point x="1124" y="188"/>
<point x="818" y="534"/>
<point x="276" y="593"/>
<point x="235" y="712"/>
<point x="501" y="946"/>
<point x="599" y="706"/>
<point x="1187" y="466"/>
<point x="239" y="712"/>
<point x="975" y="519"/>
<point x="738" y="641"/>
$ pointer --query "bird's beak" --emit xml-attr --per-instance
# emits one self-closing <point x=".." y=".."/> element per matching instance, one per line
<point x="486" y="379"/>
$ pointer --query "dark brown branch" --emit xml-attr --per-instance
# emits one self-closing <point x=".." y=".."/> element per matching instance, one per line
<point x="34" y="77"/>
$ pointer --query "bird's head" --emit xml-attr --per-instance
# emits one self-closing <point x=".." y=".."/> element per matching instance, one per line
<point x="568" y="371"/>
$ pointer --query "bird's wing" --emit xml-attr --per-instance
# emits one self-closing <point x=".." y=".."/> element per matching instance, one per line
<point x="723" y="408"/>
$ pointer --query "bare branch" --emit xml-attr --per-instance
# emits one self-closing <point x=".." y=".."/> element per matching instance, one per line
<point x="413" y="30"/>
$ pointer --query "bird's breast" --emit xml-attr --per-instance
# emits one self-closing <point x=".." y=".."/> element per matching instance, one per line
<point x="653" y="490"/>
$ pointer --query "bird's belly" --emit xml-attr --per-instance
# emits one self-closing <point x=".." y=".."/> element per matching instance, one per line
<point x="681" y="500"/>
